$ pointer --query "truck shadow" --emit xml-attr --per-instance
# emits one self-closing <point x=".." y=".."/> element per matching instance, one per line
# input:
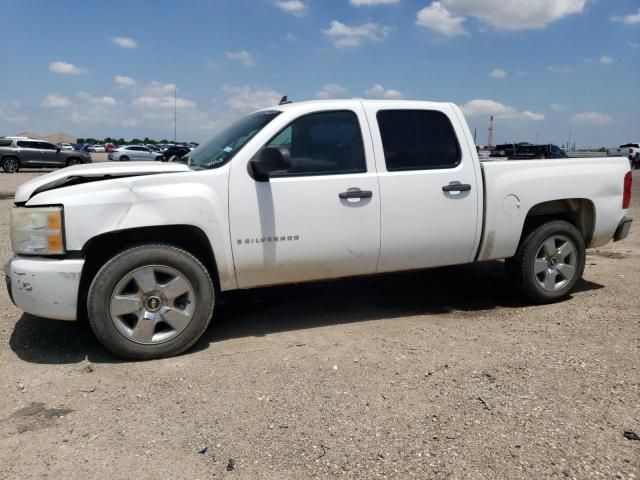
<point x="465" y="288"/>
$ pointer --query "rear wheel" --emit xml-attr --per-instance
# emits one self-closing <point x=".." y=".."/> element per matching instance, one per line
<point x="150" y="301"/>
<point x="73" y="161"/>
<point x="159" y="158"/>
<point x="549" y="261"/>
<point x="10" y="164"/>
<point x="124" y="158"/>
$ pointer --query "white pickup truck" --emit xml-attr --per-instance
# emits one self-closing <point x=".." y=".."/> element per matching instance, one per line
<point x="630" y="150"/>
<point x="294" y="193"/>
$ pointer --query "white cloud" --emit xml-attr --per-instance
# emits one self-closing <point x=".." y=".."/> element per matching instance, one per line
<point x="161" y="103"/>
<point x="125" y="42"/>
<point x="437" y="18"/>
<point x="378" y="91"/>
<point x="68" y="68"/>
<point x="130" y="122"/>
<point x="557" y="107"/>
<point x="592" y="118"/>
<point x="484" y="108"/>
<point x="158" y="89"/>
<point x="633" y="44"/>
<point x="606" y="60"/>
<point x="243" y="57"/>
<point x="560" y="70"/>
<point x="54" y="100"/>
<point x="11" y="112"/>
<point x="344" y="36"/>
<point x="497" y="73"/>
<point x="290" y="37"/>
<point x="105" y="101"/>
<point x="295" y="7"/>
<point x="631" y="19"/>
<point x="331" y="90"/>
<point x="514" y="14"/>
<point x="124" y="81"/>
<point x="372" y="3"/>
<point x="246" y="98"/>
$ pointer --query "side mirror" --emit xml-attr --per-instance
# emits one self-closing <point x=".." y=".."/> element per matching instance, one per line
<point x="271" y="160"/>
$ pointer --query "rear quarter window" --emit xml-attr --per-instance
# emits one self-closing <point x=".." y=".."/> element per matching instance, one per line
<point x="5" y="142"/>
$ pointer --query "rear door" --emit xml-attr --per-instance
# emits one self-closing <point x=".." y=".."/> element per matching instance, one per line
<point x="429" y="186"/>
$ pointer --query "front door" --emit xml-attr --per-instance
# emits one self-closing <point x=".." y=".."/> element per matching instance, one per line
<point x="429" y="187"/>
<point x="320" y="219"/>
<point x="49" y="153"/>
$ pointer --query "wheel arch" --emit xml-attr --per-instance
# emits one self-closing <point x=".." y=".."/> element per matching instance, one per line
<point x="101" y="248"/>
<point x="580" y="212"/>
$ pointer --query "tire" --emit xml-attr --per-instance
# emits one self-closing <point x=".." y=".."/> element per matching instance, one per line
<point x="549" y="261"/>
<point x="10" y="164"/>
<point x="150" y="301"/>
<point x="73" y="161"/>
<point x="159" y="158"/>
<point x="124" y="158"/>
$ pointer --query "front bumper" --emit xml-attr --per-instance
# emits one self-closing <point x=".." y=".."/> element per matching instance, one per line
<point x="44" y="287"/>
<point x="623" y="229"/>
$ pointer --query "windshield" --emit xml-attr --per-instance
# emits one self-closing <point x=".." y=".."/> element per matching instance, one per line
<point x="226" y="143"/>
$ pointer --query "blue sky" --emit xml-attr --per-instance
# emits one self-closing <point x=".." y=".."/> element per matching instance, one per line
<point x="543" y="68"/>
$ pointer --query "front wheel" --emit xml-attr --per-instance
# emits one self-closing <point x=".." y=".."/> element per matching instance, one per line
<point x="150" y="301"/>
<point x="73" y="161"/>
<point x="549" y="261"/>
<point x="124" y="158"/>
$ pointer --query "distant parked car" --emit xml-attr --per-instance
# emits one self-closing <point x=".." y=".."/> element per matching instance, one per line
<point x="133" y="153"/>
<point x="527" y="151"/>
<point x="97" y="148"/>
<point x="65" y="146"/>
<point x="175" y="152"/>
<point x="630" y="150"/>
<point x="110" y="147"/>
<point x="20" y="153"/>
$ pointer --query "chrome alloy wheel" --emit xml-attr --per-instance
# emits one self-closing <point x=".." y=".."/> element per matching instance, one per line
<point x="10" y="165"/>
<point x="152" y="304"/>
<point x="555" y="263"/>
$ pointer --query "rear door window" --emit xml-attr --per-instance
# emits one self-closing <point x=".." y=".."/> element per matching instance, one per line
<point x="418" y="140"/>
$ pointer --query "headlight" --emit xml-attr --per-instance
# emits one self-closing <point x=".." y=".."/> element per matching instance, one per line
<point x="37" y="231"/>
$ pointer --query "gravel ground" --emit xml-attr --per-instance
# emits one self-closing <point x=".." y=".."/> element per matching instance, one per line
<point x="439" y="374"/>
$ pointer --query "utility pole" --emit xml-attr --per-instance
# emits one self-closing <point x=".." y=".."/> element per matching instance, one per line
<point x="175" y="114"/>
<point x="490" y="144"/>
<point x="475" y="135"/>
<point x="569" y="142"/>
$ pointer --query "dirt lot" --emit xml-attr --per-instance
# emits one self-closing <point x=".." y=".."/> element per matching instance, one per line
<point x="439" y="374"/>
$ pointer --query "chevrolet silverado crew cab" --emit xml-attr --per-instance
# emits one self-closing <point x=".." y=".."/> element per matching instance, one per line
<point x="295" y="193"/>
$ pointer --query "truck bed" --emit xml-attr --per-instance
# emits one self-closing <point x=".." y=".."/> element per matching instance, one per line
<point x="513" y="188"/>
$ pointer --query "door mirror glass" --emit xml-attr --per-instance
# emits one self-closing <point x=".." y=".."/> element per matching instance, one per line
<point x="271" y="160"/>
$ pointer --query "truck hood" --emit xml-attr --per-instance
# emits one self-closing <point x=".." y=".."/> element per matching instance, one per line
<point x="92" y="172"/>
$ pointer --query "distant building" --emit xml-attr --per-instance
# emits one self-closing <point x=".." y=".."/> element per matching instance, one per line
<point x="54" y="138"/>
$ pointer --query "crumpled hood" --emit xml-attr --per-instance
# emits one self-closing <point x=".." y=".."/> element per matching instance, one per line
<point x="93" y="172"/>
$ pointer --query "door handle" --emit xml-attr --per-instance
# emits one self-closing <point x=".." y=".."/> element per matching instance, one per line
<point x="456" y="187"/>
<point x="356" y="193"/>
